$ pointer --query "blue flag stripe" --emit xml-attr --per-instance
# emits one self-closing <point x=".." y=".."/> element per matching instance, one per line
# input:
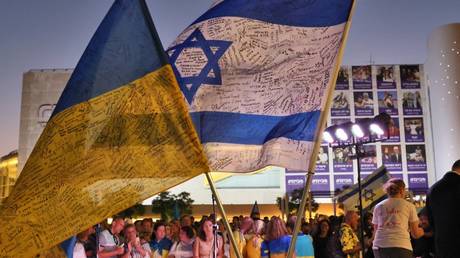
<point x="116" y="55"/>
<point x="68" y="246"/>
<point x="305" y="13"/>
<point x="238" y="128"/>
<point x="376" y="177"/>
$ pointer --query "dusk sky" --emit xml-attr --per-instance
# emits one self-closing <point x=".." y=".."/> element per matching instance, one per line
<point x="53" y="34"/>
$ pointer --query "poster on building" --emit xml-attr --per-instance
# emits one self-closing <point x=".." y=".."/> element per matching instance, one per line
<point x="369" y="163"/>
<point x="412" y="103"/>
<point x="364" y="103"/>
<point x="410" y="76"/>
<point x="342" y="79"/>
<point x="294" y="182"/>
<point x="394" y="131"/>
<point x="413" y="128"/>
<point x="340" y="104"/>
<point x="322" y="160"/>
<point x="362" y="79"/>
<point x="416" y="157"/>
<point x="341" y="160"/>
<point x="391" y="157"/>
<point x="418" y="182"/>
<point x="388" y="102"/>
<point x="320" y="184"/>
<point x="339" y="121"/>
<point x="342" y="182"/>
<point x="386" y="77"/>
<point x="397" y="175"/>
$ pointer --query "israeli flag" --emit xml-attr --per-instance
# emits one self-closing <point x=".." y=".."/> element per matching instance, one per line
<point x="255" y="76"/>
<point x="372" y="191"/>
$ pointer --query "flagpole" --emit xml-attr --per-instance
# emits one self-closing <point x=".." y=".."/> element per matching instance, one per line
<point x="359" y="155"/>
<point x="318" y="136"/>
<point x="224" y="215"/>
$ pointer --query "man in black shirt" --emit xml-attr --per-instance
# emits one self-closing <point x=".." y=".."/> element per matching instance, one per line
<point x="444" y="213"/>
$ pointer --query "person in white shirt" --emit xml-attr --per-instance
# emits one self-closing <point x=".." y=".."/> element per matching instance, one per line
<point x="134" y="248"/>
<point x="110" y="245"/>
<point x="184" y="247"/>
<point x="79" y="248"/>
<point x="394" y="218"/>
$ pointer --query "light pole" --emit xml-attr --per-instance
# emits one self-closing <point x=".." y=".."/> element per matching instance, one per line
<point x="354" y="136"/>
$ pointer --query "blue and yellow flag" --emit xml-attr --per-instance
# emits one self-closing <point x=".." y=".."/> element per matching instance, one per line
<point x="120" y="133"/>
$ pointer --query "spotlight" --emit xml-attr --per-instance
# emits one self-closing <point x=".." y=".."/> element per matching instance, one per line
<point x="357" y="131"/>
<point x="328" y="137"/>
<point x="341" y="134"/>
<point x="376" y="129"/>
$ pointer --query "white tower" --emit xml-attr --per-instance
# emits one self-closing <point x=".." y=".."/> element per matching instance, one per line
<point x="443" y="76"/>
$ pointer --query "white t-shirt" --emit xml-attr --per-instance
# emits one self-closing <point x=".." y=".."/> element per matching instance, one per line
<point x="107" y="241"/>
<point x="393" y="216"/>
<point x="182" y="250"/>
<point x="79" y="251"/>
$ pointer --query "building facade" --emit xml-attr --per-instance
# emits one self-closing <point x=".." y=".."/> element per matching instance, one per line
<point x="361" y="92"/>
<point x="8" y="173"/>
<point x="40" y="92"/>
<point x="443" y="78"/>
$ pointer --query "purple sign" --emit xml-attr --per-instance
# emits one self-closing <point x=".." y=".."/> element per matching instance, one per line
<point x="385" y="77"/>
<point x="340" y="105"/>
<point x="412" y="103"/>
<point x="418" y="181"/>
<point x="413" y="128"/>
<point x="342" y="79"/>
<point x="397" y="175"/>
<point x="294" y="182"/>
<point x="320" y="183"/>
<point x="341" y="181"/>
<point x="391" y="157"/>
<point x="388" y="102"/>
<point x="362" y="79"/>
<point x="341" y="160"/>
<point x="410" y="76"/>
<point x="339" y="121"/>
<point x="364" y="175"/>
<point x="416" y="157"/>
<point x="364" y="103"/>
<point x="322" y="161"/>
<point x="369" y="164"/>
<point x="394" y="131"/>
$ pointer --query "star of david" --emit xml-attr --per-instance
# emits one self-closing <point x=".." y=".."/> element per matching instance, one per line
<point x="210" y="74"/>
<point x="368" y="195"/>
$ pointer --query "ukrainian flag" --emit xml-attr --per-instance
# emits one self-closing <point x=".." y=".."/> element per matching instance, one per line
<point x="119" y="134"/>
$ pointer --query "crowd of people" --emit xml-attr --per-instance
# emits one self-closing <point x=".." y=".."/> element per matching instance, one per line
<point x="394" y="229"/>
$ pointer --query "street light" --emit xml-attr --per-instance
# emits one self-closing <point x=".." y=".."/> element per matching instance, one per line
<point x="367" y="130"/>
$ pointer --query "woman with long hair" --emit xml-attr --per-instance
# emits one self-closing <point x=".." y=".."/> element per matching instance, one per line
<point x="322" y="241"/>
<point x="277" y="240"/>
<point x="253" y="245"/>
<point x="394" y="218"/>
<point x="204" y="243"/>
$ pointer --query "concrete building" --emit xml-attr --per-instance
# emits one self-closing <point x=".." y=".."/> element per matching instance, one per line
<point x="40" y="92"/>
<point x="8" y="173"/>
<point x="443" y="78"/>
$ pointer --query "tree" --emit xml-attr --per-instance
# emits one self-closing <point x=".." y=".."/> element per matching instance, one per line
<point x="294" y="201"/>
<point x="172" y="206"/>
<point x="136" y="210"/>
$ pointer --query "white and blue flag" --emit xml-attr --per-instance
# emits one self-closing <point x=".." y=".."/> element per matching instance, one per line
<point x="372" y="191"/>
<point x="256" y="74"/>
